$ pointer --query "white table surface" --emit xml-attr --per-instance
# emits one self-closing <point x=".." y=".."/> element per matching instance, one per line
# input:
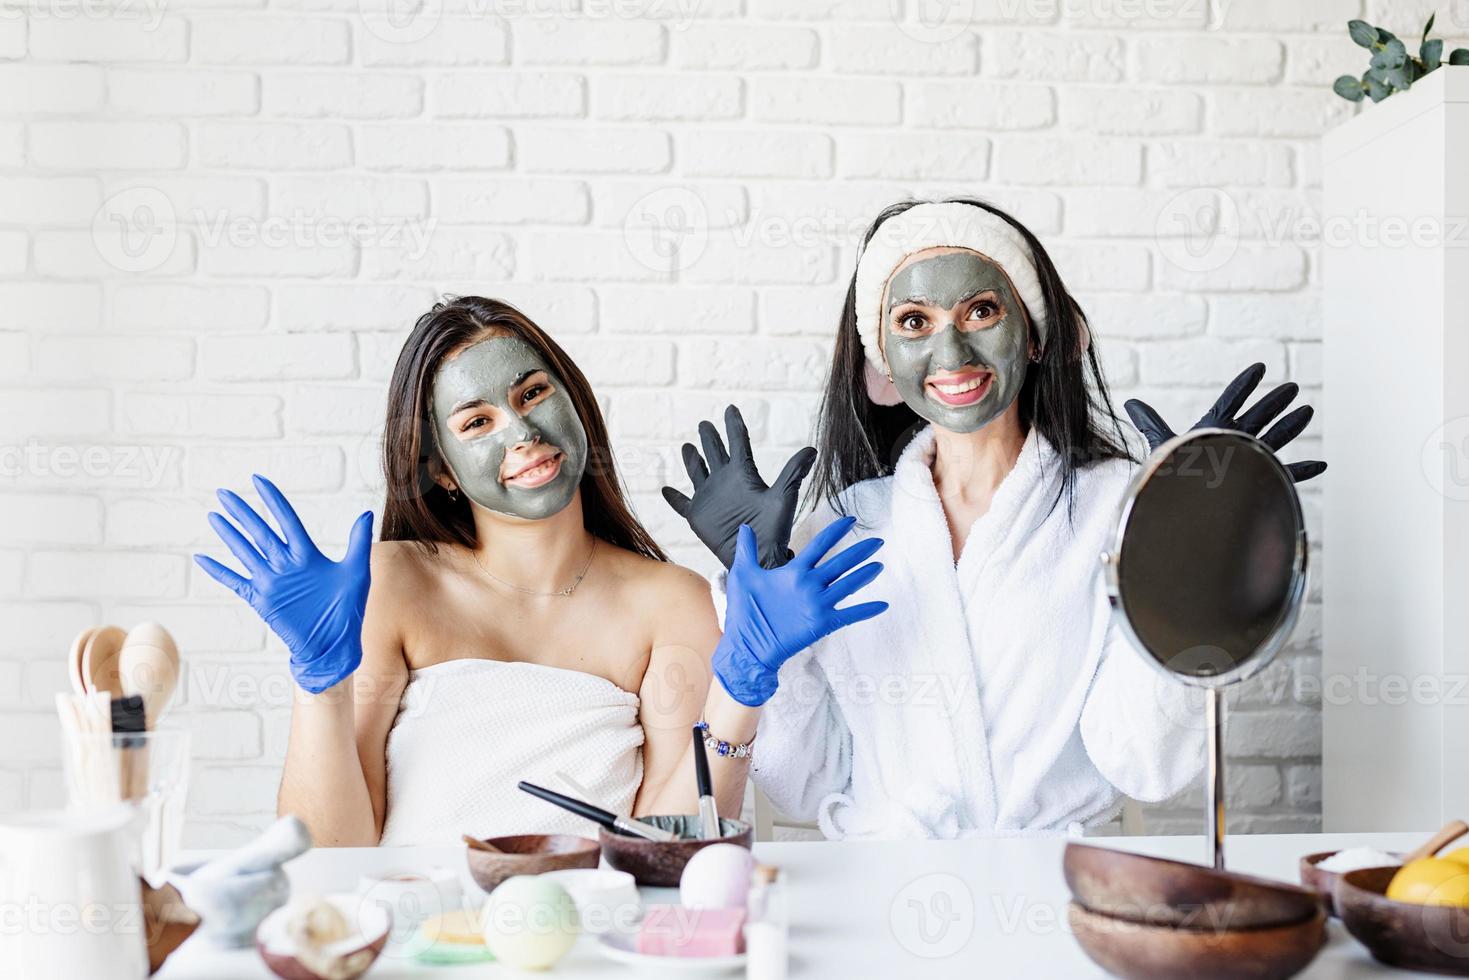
<point x="994" y="908"/>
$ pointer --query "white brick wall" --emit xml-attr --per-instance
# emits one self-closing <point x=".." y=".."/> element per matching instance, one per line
<point x="315" y="177"/>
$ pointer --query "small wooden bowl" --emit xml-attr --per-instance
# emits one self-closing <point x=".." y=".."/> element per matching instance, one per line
<point x="529" y="854"/>
<point x="168" y="922"/>
<point x="1160" y="892"/>
<point x="372" y="920"/>
<point x="1401" y="934"/>
<point x="660" y="864"/>
<point x="1157" y="952"/>
<point x="1320" y="880"/>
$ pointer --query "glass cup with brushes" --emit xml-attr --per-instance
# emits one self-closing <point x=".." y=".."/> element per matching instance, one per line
<point x="111" y="756"/>
<point x="113" y="748"/>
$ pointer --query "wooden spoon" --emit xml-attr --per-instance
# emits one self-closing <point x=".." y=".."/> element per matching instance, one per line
<point x="99" y="661"/>
<point x="148" y="665"/>
<point x="1450" y="832"/>
<point x="74" y="660"/>
<point x="478" y="845"/>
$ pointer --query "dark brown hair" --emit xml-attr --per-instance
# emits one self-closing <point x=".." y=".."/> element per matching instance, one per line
<point x="417" y="508"/>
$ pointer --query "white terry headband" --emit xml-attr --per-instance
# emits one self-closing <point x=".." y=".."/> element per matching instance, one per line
<point x="936" y="225"/>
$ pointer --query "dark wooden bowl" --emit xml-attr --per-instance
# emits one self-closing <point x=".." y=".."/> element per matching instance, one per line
<point x="1160" y="892"/>
<point x="372" y="919"/>
<point x="290" y="968"/>
<point x="1401" y="934"/>
<point x="1315" y="878"/>
<point x="167" y="921"/>
<point x="1157" y="952"/>
<point x="529" y="854"/>
<point x="660" y="864"/>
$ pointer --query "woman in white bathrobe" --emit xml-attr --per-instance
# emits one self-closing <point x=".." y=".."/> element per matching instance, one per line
<point x="966" y="422"/>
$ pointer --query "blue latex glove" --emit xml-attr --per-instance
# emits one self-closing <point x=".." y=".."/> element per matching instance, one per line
<point x="775" y="613"/>
<point x="312" y="603"/>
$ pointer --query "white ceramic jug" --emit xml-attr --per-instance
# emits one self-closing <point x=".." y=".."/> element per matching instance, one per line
<point x="70" y="903"/>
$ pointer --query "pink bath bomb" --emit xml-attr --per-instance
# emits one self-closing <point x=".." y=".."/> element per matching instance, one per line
<point x="717" y="877"/>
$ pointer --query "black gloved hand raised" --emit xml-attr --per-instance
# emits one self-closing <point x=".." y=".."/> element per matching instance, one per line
<point x="728" y="492"/>
<point x="1222" y="416"/>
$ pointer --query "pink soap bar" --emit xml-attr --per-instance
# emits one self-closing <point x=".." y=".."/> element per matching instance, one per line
<point x="672" y="930"/>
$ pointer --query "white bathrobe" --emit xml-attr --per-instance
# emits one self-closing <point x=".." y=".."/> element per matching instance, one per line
<point x="995" y="696"/>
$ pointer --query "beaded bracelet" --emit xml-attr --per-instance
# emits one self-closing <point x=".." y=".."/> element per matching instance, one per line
<point x="731" y="750"/>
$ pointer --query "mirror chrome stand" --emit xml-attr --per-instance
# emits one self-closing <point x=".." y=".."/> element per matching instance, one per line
<point x="1214" y="790"/>
<point x="1207" y="573"/>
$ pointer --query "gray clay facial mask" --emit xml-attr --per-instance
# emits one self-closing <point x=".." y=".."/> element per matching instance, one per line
<point x="515" y="401"/>
<point x="956" y="339"/>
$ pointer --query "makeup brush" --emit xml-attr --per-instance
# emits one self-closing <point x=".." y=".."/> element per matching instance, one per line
<point x="129" y="721"/>
<point x="708" y="812"/>
<point x="608" y="819"/>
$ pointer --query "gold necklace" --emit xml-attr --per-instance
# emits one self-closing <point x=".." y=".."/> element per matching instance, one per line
<point x="531" y="592"/>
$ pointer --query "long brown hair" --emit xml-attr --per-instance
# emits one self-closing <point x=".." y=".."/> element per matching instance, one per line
<point x="417" y="508"/>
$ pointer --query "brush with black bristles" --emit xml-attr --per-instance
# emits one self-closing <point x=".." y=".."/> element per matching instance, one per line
<point x="129" y="722"/>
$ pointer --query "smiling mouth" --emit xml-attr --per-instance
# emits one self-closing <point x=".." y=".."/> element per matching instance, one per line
<point x="537" y="474"/>
<point x="960" y="390"/>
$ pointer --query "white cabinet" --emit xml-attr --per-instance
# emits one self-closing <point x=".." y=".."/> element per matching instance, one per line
<point x="1395" y="666"/>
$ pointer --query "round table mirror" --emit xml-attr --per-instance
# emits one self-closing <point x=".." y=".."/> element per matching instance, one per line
<point x="1207" y="571"/>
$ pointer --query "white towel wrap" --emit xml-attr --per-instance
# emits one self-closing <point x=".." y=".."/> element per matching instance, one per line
<point x="468" y="730"/>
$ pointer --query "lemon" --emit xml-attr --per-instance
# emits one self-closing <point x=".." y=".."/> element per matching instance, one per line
<point x="1458" y="854"/>
<point x="1431" y="881"/>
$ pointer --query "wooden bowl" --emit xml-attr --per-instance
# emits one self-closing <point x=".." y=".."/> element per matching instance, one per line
<point x="371" y="920"/>
<point x="167" y="922"/>
<point x="660" y="864"/>
<point x="1320" y="880"/>
<point x="1401" y="934"/>
<point x="1158" y="952"/>
<point x="1160" y="892"/>
<point x="529" y="854"/>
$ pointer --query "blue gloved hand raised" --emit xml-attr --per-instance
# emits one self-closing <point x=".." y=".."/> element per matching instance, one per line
<point x="312" y="603"/>
<point x="775" y="613"/>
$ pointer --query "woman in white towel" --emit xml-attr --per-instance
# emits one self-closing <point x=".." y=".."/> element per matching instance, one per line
<point x="967" y="422"/>
<point x="520" y="623"/>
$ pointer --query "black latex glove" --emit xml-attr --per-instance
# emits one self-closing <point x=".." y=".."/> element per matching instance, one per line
<point x="1222" y="416"/>
<point x="728" y="492"/>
